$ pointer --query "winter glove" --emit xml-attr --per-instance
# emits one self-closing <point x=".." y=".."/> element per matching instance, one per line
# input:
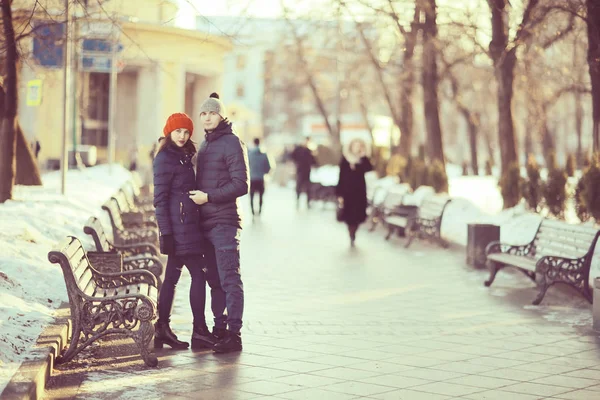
<point x="167" y="244"/>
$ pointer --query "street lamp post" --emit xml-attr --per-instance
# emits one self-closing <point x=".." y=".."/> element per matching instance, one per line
<point x="64" y="165"/>
<point x="112" y="99"/>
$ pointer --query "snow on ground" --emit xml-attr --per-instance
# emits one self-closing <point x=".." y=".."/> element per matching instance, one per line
<point x="38" y="217"/>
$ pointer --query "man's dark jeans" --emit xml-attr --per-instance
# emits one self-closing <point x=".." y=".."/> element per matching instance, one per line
<point x="225" y="254"/>
<point x="201" y="273"/>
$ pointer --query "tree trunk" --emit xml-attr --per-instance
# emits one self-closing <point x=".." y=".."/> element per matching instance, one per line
<point x="8" y="140"/>
<point x="28" y="172"/>
<point x="579" y="128"/>
<point x="407" y="87"/>
<point x="430" y="83"/>
<point x="504" y="69"/>
<point x="473" y="124"/>
<point x="334" y="131"/>
<point x="505" y="74"/>
<point x="593" y="29"/>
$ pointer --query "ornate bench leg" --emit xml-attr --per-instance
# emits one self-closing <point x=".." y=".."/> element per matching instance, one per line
<point x="390" y="232"/>
<point x="529" y="274"/>
<point x="409" y="240"/>
<point x="441" y="241"/>
<point x="543" y="287"/>
<point x="373" y="224"/>
<point x="72" y="350"/>
<point x="144" y="334"/>
<point x="494" y="268"/>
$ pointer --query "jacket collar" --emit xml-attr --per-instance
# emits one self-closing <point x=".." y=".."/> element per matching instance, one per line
<point x="224" y="128"/>
<point x="180" y="153"/>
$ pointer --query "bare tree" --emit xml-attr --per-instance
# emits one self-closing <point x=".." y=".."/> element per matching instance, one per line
<point x="333" y="129"/>
<point x="593" y="57"/>
<point x="402" y="113"/>
<point x="8" y="137"/>
<point x="430" y="82"/>
<point x="504" y="56"/>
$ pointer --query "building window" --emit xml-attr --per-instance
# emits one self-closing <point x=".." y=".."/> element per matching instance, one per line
<point x="241" y="62"/>
<point x="240" y="91"/>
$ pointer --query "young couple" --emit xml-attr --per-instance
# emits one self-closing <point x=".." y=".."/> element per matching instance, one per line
<point x="200" y="225"/>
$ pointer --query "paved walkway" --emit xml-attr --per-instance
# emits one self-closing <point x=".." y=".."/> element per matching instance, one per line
<point x="324" y="321"/>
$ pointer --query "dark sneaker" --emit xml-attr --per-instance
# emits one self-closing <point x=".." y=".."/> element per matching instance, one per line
<point x="219" y="333"/>
<point x="202" y="338"/>
<point x="231" y="343"/>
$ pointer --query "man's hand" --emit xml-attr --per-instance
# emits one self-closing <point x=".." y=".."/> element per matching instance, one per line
<point x="198" y="197"/>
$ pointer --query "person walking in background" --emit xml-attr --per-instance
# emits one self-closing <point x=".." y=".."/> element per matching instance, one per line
<point x="181" y="238"/>
<point x="352" y="188"/>
<point x="259" y="166"/>
<point x="304" y="160"/>
<point x="222" y="177"/>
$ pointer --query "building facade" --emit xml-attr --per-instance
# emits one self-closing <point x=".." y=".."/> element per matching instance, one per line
<point x="162" y="69"/>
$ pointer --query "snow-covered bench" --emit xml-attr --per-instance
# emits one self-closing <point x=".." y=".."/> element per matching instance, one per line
<point x="135" y="256"/>
<point x="105" y="303"/>
<point x="428" y="221"/>
<point x="559" y="253"/>
<point x="134" y="232"/>
<point x="392" y="199"/>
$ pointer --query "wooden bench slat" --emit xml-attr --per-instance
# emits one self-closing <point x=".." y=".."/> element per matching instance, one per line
<point x="557" y="248"/>
<point x="71" y="249"/>
<point x="88" y="287"/>
<point x="396" y="220"/>
<point x="79" y="264"/>
<point x="573" y="237"/>
<point x="140" y="288"/>
<point x="563" y="226"/>
<point x="517" y="261"/>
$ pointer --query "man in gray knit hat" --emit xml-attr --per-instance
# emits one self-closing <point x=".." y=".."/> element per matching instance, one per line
<point x="222" y="177"/>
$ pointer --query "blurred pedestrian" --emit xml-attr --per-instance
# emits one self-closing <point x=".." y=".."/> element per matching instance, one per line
<point x="259" y="166"/>
<point x="352" y="188"/>
<point x="304" y="160"/>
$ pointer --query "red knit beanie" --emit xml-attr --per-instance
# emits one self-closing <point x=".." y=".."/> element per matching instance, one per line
<point x="176" y="121"/>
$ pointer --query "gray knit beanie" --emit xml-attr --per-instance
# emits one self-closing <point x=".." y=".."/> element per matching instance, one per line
<point x="213" y="104"/>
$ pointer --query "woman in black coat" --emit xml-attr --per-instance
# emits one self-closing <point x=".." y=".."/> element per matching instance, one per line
<point x="352" y="188"/>
<point x="181" y="237"/>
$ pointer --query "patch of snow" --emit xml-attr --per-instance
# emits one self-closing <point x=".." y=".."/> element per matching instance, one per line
<point x="38" y="217"/>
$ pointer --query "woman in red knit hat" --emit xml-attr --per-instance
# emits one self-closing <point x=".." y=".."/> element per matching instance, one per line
<point x="181" y="237"/>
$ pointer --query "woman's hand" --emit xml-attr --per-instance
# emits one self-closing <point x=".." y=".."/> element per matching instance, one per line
<point x="198" y="197"/>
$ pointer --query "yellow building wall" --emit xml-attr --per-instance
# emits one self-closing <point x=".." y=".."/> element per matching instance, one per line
<point x="159" y="58"/>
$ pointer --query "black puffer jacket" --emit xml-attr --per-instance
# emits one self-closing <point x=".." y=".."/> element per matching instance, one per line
<point x="176" y="213"/>
<point x="222" y="173"/>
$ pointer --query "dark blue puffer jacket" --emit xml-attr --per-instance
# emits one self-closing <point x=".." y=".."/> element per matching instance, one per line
<point x="222" y="173"/>
<point x="176" y="213"/>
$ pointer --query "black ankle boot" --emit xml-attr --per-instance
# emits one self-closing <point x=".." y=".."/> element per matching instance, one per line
<point x="230" y="343"/>
<point x="219" y="333"/>
<point x="164" y="335"/>
<point x="202" y="338"/>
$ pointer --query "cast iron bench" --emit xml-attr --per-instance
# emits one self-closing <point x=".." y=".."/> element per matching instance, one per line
<point x="135" y="256"/>
<point x="132" y="233"/>
<point x="130" y="213"/>
<point x="427" y="223"/>
<point x="105" y="303"/>
<point x="388" y="199"/>
<point x="559" y="253"/>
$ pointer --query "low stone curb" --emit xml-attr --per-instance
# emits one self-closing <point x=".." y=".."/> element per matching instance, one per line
<point x="29" y="381"/>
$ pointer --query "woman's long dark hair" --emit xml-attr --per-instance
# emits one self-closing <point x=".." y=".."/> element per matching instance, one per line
<point x="164" y="142"/>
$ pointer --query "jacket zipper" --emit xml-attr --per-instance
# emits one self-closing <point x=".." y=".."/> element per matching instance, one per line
<point x="181" y="216"/>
